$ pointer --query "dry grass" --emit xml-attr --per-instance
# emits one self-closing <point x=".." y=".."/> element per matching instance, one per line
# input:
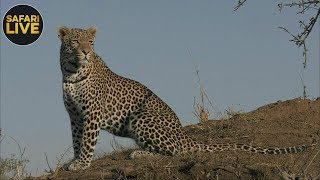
<point x="13" y="167"/>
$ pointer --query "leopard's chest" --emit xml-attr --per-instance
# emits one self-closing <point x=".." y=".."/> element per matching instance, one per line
<point x="76" y="98"/>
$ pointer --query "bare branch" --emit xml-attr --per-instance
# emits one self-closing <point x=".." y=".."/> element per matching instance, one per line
<point x="50" y="169"/>
<point x="300" y="39"/>
<point x="303" y="6"/>
<point x="240" y="3"/>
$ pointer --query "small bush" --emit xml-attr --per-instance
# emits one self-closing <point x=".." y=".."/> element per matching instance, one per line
<point x="13" y="167"/>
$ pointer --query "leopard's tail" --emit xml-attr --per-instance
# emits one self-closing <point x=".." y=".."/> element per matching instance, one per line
<point x="196" y="146"/>
<point x="253" y="149"/>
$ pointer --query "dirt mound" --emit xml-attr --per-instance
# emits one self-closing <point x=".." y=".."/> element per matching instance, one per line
<point x="280" y="124"/>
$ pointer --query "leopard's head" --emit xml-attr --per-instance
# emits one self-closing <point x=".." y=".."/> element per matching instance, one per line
<point x="76" y="47"/>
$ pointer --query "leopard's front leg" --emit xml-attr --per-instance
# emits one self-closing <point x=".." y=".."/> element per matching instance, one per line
<point x="76" y="129"/>
<point x="90" y="135"/>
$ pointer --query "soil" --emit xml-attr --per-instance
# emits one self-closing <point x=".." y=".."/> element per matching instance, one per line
<point x="280" y="124"/>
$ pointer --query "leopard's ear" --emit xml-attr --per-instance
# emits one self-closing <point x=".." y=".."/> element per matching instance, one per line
<point x="63" y="30"/>
<point x="92" y="30"/>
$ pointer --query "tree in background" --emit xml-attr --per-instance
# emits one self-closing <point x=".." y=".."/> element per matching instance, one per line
<point x="309" y="9"/>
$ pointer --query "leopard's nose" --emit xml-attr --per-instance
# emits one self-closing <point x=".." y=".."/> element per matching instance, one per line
<point x="85" y="51"/>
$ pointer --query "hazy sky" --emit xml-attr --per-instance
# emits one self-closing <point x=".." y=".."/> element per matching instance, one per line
<point x="245" y="61"/>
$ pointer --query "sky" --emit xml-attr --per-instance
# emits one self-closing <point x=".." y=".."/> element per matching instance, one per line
<point x="244" y="60"/>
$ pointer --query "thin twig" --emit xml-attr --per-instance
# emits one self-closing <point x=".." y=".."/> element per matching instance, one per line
<point x="200" y="111"/>
<point x="240" y="3"/>
<point x="311" y="161"/>
<point x="20" y="150"/>
<point x="50" y="169"/>
<point x="303" y="85"/>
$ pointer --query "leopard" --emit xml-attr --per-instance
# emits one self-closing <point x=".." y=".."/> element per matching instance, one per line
<point x="96" y="98"/>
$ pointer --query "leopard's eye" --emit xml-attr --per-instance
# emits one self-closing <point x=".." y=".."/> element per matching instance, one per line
<point x="75" y="41"/>
<point x="91" y="42"/>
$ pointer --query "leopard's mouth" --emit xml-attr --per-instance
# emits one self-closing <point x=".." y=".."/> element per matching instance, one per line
<point x="75" y="64"/>
<point x="71" y="67"/>
<point x="69" y="71"/>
